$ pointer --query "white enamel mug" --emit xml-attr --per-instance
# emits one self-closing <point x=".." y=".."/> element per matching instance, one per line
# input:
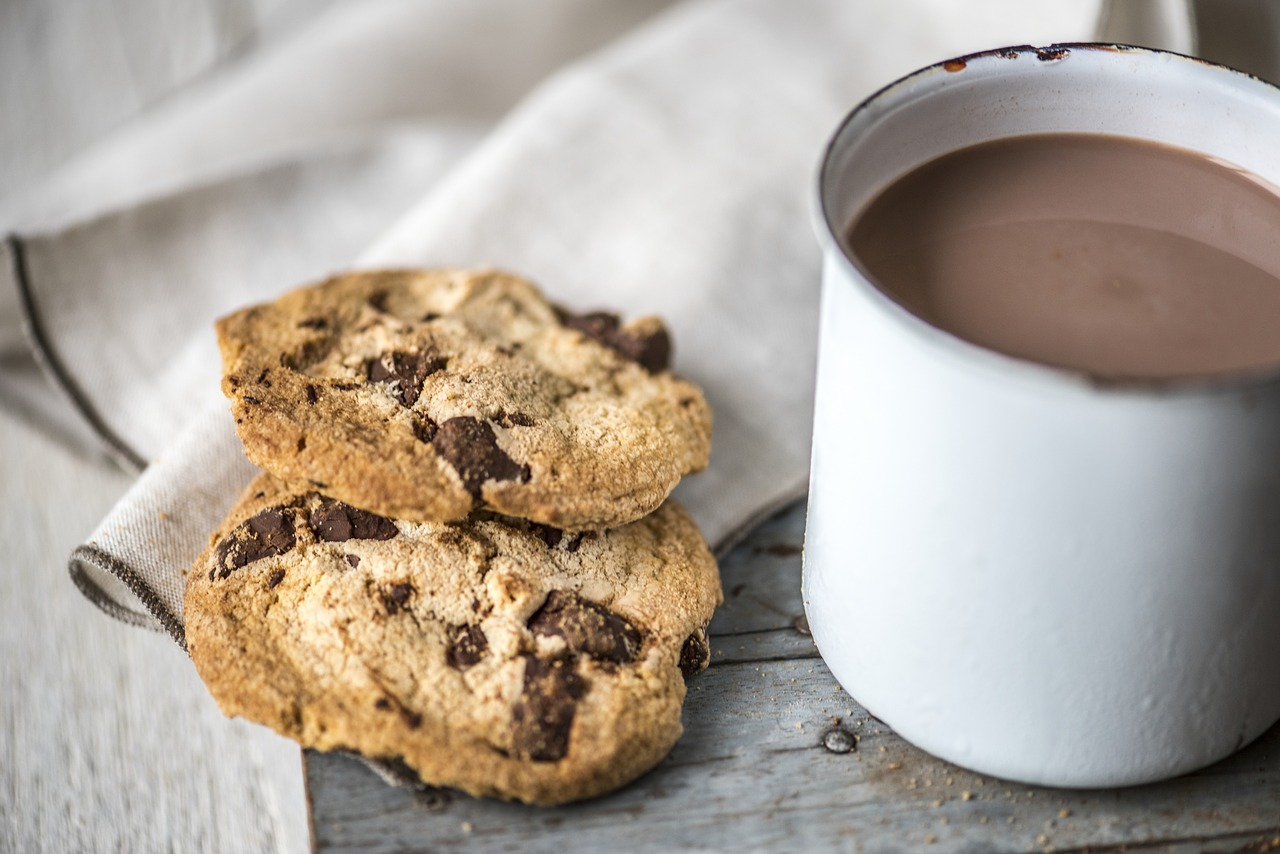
<point x="1021" y="570"/>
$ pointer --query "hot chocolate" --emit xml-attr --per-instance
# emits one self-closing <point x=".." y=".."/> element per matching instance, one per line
<point x="1115" y="256"/>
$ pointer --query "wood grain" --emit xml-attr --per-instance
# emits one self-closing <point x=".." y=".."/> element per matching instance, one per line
<point x="765" y="765"/>
<point x="108" y="740"/>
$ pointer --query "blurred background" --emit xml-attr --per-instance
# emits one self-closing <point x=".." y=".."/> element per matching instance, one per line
<point x="71" y="72"/>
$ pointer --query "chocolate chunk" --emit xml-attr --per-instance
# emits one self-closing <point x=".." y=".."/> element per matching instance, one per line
<point x="405" y="372"/>
<point x="556" y="537"/>
<point x="513" y="419"/>
<point x="549" y="535"/>
<point x="395" y="597"/>
<point x="275" y="579"/>
<point x="695" y="655"/>
<point x="467" y="645"/>
<point x="543" y="716"/>
<point x="265" y="534"/>
<point x="586" y="627"/>
<point x="313" y="323"/>
<point x="307" y="353"/>
<point x="424" y="429"/>
<point x="382" y="704"/>
<point x="335" y="522"/>
<point x="312" y="394"/>
<point x="650" y="349"/>
<point x="470" y="446"/>
<point x="594" y="324"/>
<point x="352" y="560"/>
<point x="378" y="299"/>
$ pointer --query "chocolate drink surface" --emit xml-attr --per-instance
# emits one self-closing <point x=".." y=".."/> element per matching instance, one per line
<point x="1118" y="257"/>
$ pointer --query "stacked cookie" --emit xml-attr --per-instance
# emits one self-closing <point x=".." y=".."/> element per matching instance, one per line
<point x="460" y="556"/>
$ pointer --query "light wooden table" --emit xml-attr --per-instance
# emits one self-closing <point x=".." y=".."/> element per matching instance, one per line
<point x="776" y="757"/>
<point x="108" y="740"/>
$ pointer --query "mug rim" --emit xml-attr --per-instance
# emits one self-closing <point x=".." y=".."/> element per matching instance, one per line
<point x="1171" y="386"/>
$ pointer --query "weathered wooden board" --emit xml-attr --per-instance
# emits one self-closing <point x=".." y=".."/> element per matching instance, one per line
<point x="108" y="740"/>
<point x="777" y="757"/>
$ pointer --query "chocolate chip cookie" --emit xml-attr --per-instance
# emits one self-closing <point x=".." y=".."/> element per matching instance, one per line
<point x="424" y="394"/>
<point x="500" y="656"/>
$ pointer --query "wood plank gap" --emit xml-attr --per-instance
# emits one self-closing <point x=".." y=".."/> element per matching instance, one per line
<point x="789" y="629"/>
<point x="813" y="656"/>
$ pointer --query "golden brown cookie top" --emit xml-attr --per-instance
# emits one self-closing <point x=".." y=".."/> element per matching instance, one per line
<point x="425" y="394"/>
<point x="500" y="656"/>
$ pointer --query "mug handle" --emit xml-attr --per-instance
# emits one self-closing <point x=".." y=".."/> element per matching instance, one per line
<point x="1163" y="24"/>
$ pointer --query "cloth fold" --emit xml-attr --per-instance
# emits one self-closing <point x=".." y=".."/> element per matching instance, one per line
<point x="668" y="173"/>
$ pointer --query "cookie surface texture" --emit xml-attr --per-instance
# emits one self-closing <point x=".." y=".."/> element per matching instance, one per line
<point x="501" y="657"/>
<point x="423" y="394"/>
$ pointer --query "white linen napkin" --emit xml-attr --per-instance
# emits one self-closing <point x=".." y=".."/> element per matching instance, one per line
<point x="669" y="173"/>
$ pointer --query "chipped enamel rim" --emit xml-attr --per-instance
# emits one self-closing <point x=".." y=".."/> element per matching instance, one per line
<point x="925" y="83"/>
